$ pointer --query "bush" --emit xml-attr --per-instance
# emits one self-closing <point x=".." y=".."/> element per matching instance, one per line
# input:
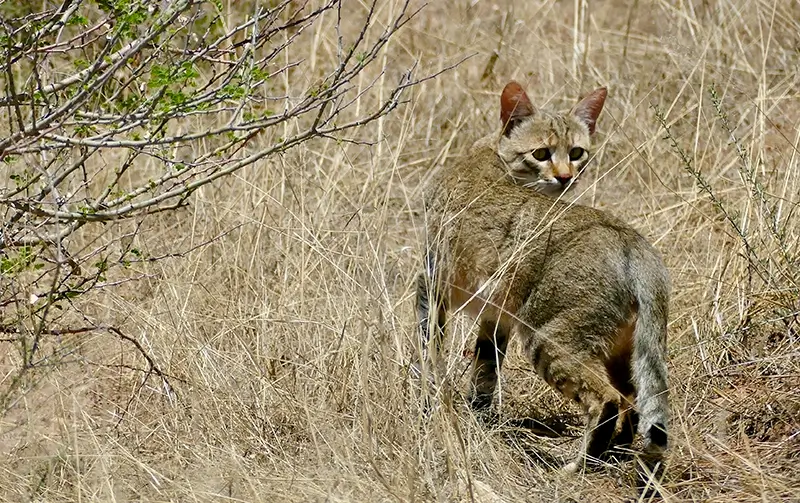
<point x="121" y="109"/>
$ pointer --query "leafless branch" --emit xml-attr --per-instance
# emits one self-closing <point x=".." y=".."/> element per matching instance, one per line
<point x="114" y="111"/>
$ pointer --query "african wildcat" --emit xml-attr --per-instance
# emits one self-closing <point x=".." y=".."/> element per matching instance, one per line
<point x="586" y="294"/>
<point x="561" y="141"/>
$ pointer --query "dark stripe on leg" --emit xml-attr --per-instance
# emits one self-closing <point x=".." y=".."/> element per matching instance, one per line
<point x="423" y="308"/>
<point x="490" y="350"/>
<point x="600" y="438"/>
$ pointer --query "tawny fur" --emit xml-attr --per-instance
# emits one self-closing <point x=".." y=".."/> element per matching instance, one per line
<point x="526" y="129"/>
<point x="585" y="293"/>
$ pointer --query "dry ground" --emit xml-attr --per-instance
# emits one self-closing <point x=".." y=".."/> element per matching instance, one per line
<point x="287" y="340"/>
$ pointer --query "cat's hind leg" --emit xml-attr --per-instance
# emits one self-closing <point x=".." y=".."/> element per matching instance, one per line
<point x="581" y="376"/>
<point x="490" y="350"/>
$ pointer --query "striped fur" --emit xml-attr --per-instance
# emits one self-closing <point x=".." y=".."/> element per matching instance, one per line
<point x="585" y="293"/>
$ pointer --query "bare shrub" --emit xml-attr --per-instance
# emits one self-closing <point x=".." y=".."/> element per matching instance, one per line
<point x="117" y="110"/>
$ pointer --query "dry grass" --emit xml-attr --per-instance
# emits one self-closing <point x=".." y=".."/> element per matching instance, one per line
<point x="287" y="340"/>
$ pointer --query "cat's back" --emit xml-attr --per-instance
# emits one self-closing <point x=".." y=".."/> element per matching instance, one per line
<point x="475" y="181"/>
<point x="486" y="219"/>
<point x="478" y="185"/>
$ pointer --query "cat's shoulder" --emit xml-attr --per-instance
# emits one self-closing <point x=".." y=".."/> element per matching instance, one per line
<point x="487" y="143"/>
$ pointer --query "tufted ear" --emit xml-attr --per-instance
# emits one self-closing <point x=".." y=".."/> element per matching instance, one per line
<point x="590" y="107"/>
<point x="514" y="105"/>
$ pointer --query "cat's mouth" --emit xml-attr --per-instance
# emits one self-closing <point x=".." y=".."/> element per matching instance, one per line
<point x="552" y="188"/>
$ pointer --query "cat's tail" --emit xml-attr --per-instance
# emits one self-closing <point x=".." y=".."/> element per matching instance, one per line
<point x="651" y="289"/>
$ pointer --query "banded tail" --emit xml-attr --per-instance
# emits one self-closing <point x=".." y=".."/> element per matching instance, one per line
<point x="651" y="289"/>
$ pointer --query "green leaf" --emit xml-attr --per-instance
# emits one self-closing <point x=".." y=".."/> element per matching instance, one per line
<point x="77" y="19"/>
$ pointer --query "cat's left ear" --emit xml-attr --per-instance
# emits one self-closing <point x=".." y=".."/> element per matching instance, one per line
<point x="590" y="107"/>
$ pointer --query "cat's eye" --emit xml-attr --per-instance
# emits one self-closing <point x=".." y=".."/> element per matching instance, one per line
<point x="541" y="154"/>
<point x="576" y="153"/>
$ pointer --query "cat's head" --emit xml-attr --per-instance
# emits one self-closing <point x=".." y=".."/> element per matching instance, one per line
<point x="542" y="149"/>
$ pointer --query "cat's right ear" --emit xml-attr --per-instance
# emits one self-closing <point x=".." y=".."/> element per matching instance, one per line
<point x="514" y="105"/>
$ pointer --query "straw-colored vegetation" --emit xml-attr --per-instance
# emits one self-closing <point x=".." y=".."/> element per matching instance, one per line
<point x="286" y="337"/>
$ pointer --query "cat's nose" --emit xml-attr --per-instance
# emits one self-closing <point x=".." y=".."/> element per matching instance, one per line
<point x="564" y="180"/>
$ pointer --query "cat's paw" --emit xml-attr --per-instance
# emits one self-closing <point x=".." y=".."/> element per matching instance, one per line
<point x="571" y="467"/>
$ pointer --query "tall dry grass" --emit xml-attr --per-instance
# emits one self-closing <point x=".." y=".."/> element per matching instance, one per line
<point x="287" y="339"/>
